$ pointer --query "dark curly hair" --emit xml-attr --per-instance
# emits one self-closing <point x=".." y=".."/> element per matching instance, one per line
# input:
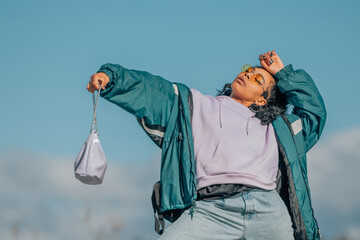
<point x="275" y="106"/>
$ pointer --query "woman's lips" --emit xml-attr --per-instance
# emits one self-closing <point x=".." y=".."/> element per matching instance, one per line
<point x="241" y="81"/>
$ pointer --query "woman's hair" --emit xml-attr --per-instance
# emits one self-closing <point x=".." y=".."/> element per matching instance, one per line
<point x="275" y="106"/>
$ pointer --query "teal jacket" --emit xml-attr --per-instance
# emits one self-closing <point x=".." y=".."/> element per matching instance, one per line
<point x="164" y="110"/>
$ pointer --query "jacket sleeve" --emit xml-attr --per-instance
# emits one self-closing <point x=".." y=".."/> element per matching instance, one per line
<point x="140" y="93"/>
<point x="302" y="93"/>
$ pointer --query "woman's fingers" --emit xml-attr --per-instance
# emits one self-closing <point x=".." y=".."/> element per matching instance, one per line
<point x="268" y="60"/>
<point x="263" y="63"/>
<point x="265" y="60"/>
<point x="90" y="86"/>
<point x="271" y="62"/>
<point x="96" y="81"/>
<point x="272" y="53"/>
<point x="271" y="56"/>
<point x="93" y="84"/>
<point x="262" y="59"/>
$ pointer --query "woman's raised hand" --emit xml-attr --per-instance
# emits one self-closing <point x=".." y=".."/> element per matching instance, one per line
<point x="97" y="80"/>
<point x="271" y="62"/>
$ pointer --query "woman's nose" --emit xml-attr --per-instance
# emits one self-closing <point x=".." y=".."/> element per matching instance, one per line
<point x="248" y="76"/>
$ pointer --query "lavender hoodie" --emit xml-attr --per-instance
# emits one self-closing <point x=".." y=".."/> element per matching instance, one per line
<point x="231" y="146"/>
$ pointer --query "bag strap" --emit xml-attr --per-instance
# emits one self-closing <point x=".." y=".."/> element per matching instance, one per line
<point x="95" y="103"/>
<point x="155" y="200"/>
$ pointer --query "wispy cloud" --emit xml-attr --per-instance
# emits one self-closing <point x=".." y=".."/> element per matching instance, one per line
<point x="41" y="199"/>
<point x="333" y="167"/>
<point x="40" y="196"/>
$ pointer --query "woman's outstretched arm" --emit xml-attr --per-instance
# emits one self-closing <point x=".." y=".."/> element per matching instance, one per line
<point x="140" y="93"/>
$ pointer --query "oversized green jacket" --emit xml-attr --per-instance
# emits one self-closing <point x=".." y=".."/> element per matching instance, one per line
<point x="164" y="111"/>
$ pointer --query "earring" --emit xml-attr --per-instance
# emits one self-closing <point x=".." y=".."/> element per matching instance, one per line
<point x="255" y="108"/>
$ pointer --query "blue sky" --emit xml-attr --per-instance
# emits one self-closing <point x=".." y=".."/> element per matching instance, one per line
<point x="49" y="49"/>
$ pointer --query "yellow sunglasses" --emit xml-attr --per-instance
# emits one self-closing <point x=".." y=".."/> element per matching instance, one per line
<point x="256" y="79"/>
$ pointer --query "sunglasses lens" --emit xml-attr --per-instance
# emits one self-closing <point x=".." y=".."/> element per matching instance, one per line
<point x="257" y="79"/>
<point x="250" y="69"/>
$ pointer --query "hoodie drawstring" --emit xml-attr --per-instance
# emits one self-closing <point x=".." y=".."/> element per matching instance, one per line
<point x="220" y="115"/>
<point x="220" y="118"/>
<point x="247" y="126"/>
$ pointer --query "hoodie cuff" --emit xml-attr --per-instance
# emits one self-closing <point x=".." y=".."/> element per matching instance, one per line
<point x="284" y="72"/>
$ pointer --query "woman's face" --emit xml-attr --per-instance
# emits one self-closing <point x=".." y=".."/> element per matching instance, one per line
<point x="248" y="87"/>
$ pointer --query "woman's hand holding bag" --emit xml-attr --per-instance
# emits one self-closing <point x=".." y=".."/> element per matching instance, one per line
<point x="90" y="165"/>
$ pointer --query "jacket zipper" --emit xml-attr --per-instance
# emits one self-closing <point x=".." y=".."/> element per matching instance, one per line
<point x="180" y="139"/>
<point x="193" y="203"/>
<point x="302" y="172"/>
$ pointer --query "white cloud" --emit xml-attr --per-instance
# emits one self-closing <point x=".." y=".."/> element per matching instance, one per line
<point x="41" y="192"/>
<point x="353" y="233"/>
<point x="333" y="166"/>
<point x="41" y="196"/>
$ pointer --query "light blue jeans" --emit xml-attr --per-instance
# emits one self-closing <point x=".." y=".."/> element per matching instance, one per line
<point x="254" y="214"/>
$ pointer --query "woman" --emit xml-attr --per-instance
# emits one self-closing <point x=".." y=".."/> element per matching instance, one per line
<point x="236" y="162"/>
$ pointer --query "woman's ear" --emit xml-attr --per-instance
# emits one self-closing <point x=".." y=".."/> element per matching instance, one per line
<point x="261" y="102"/>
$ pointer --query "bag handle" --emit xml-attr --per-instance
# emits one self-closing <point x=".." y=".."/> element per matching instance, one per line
<point x="95" y="103"/>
